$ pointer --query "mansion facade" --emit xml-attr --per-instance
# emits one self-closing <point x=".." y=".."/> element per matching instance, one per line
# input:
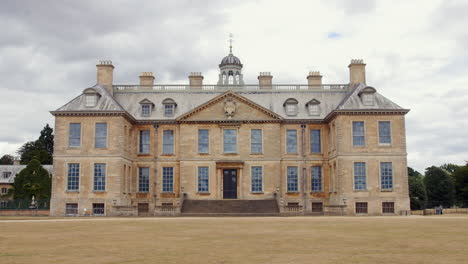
<point x="149" y="149"/>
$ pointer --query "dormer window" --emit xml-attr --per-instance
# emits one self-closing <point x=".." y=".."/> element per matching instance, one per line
<point x="146" y="107"/>
<point x="313" y="107"/>
<point x="6" y="174"/>
<point x="290" y="107"/>
<point x="91" y="97"/>
<point x="169" y="107"/>
<point x="368" y="96"/>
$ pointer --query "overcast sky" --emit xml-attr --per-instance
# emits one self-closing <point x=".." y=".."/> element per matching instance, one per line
<point x="416" y="54"/>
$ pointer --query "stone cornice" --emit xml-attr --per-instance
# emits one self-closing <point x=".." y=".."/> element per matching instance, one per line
<point x="95" y="113"/>
<point x="335" y="113"/>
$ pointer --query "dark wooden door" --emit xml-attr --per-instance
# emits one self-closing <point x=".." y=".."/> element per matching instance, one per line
<point x="230" y="184"/>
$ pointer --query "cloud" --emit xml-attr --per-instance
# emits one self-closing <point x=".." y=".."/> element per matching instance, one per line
<point x="415" y="53"/>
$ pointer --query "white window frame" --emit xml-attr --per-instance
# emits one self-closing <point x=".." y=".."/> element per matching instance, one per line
<point x="141" y="145"/>
<point x="162" y="180"/>
<point x="352" y="133"/>
<point x="378" y="133"/>
<point x="96" y="137"/>
<point x="198" y="179"/>
<point x="261" y="141"/>
<point x="365" y="176"/>
<point x="368" y="99"/>
<point x="297" y="179"/>
<point x="380" y="177"/>
<point x="314" y="109"/>
<point x="236" y="143"/>
<point x="67" y="170"/>
<point x="91" y="100"/>
<point x="70" y="136"/>
<point x="261" y="177"/>
<point x="168" y="106"/>
<point x="312" y="180"/>
<point x="140" y="189"/>
<point x="146" y="112"/>
<point x="105" y="177"/>
<point x="198" y="141"/>
<point x="166" y="144"/>
<point x="286" y="141"/>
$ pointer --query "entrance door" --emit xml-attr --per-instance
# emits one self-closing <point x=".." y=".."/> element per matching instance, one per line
<point x="230" y="184"/>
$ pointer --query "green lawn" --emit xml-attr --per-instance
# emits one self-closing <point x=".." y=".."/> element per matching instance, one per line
<point x="235" y="240"/>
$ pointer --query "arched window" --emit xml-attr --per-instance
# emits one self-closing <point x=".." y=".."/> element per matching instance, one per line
<point x="368" y="96"/>
<point x="313" y="107"/>
<point x="91" y="97"/>
<point x="290" y="107"/>
<point x="146" y="107"/>
<point x="169" y="107"/>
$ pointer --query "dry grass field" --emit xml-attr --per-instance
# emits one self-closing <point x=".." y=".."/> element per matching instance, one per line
<point x="414" y="239"/>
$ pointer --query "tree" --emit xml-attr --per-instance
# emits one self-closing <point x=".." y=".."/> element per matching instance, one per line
<point x="439" y="187"/>
<point x="32" y="180"/>
<point x="34" y="150"/>
<point x="449" y="167"/>
<point x="42" y="149"/>
<point x="7" y="160"/>
<point x="47" y="139"/>
<point x="417" y="190"/>
<point x="461" y="185"/>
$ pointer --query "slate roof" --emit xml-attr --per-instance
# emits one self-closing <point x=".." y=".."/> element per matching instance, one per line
<point x="15" y="169"/>
<point x="128" y="101"/>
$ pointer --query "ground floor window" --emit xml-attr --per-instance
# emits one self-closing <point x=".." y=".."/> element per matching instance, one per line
<point x="361" y="208"/>
<point x="143" y="179"/>
<point x="388" y="207"/>
<point x="203" y="179"/>
<point x="317" y="207"/>
<point x="168" y="179"/>
<point x="71" y="209"/>
<point x="3" y="204"/>
<point x="98" y="209"/>
<point x="257" y="181"/>
<point x="292" y="179"/>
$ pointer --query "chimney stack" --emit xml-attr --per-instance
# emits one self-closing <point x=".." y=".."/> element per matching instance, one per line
<point x="357" y="72"/>
<point x="105" y="72"/>
<point x="146" y="79"/>
<point x="196" y="80"/>
<point x="265" y="80"/>
<point x="314" y="78"/>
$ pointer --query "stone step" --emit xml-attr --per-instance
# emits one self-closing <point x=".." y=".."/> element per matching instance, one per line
<point x="230" y="207"/>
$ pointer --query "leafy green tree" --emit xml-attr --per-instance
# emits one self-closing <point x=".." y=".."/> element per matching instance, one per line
<point x="42" y="149"/>
<point x="439" y="187"/>
<point x="461" y="185"/>
<point x="7" y="160"/>
<point x="417" y="190"/>
<point x="32" y="180"/>
<point x="449" y="167"/>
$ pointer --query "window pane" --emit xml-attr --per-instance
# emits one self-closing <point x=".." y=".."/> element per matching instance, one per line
<point x="73" y="177"/>
<point x="90" y="100"/>
<point x="143" y="179"/>
<point x="71" y="208"/>
<point x="256" y="141"/>
<point x="74" y="137"/>
<point x="99" y="177"/>
<point x="146" y="110"/>
<point x="203" y="179"/>
<point x="360" y="176"/>
<point x="358" y="133"/>
<point x="291" y="141"/>
<point x="292" y="179"/>
<point x="144" y="141"/>
<point x="386" y="175"/>
<point x="203" y="141"/>
<point x="168" y="142"/>
<point x="388" y="207"/>
<point x="315" y="144"/>
<point x="100" y="135"/>
<point x="384" y="132"/>
<point x="168" y="109"/>
<point x="257" y="179"/>
<point x="230" y="140"/>
<point x="361" y="208"/>
<point x="167" y="180"/>
<point x="316" y="176"/>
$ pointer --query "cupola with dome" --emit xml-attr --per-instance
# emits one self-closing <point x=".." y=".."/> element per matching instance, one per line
<point x="230" y="69"/>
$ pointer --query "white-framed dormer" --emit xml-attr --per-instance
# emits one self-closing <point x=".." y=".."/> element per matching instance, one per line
<point x="367" y="96"/>
<point x="146" y="107"/>
<point x="313" y="107"/>
<point x="169" y="106"/>
<point x="91" y="97"/>
<point x="290" y="107"/>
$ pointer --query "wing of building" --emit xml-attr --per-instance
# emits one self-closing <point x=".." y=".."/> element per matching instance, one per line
<point x="155" y="149"/>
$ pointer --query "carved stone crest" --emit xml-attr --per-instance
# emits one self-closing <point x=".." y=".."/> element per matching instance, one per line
<point x="230" y="107"/>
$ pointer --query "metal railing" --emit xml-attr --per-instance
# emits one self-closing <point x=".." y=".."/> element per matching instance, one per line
<point x="246" y="87"/>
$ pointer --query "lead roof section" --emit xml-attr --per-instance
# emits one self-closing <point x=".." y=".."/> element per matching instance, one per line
<point x="186" y="101"/>
<point x="15" y="169"/>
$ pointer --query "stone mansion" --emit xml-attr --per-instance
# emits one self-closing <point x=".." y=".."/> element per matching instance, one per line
<point x="155" y="149"/>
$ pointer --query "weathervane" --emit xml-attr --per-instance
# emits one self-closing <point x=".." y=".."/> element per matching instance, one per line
<point x="230" y="42"/>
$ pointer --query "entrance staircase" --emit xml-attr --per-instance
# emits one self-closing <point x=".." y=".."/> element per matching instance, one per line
<point x="230" y="208"/>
